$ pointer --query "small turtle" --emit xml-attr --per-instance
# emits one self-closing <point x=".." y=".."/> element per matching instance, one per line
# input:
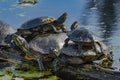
<point x="40" y="47"/>
<point x="5" y="29"/>
<point x="27" y="2"/>
<point x="43" y="25"/>
<point x="7" y="54"/>
<point x="81" y="37"/>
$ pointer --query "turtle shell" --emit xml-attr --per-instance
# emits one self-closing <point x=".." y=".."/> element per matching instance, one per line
<point x="81" y="35"/>
<point x="40" y="21"/>
<point x="43" y="44"/>
<point x="5" y="29"/>
<point x="88" y="53"/>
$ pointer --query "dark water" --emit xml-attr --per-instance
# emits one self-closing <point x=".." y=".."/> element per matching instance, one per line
<point x="100" y="16"/>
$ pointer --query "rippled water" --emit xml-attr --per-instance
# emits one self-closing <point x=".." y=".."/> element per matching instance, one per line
<point x="100" y="16"/>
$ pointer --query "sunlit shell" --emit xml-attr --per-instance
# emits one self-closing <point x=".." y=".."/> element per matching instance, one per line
<point x="40" y="21"/>
<point x="43" y="44"/>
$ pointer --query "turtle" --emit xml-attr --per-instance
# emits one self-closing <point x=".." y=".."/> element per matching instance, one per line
<point x="88" y="54"/>
<point x="45" y="24"/>
<point x="7" y="54"/>
<point x="40" y="47"/>
<point x="51" y="46"/>
<point x="26" y="2"/>
<point x="69" y="55"/>
<point x="5" y="29"/>
<point x="82" y="37"/>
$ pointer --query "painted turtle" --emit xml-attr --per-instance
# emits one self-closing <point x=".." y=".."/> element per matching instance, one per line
<point x="5" y="29"/>
<point x="69" y="55"/>
<point x="40" y="47"/>
<point x="88" y="53"/>
<point x="27" y="2"/>
<point x="42" y="25"/>
<point x="81" y="37"/>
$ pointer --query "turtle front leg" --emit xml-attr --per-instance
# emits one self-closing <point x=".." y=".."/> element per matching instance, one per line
<point x="54" y="29"/>
<point x="40" y="62"/>
<point x="64" y="28"/>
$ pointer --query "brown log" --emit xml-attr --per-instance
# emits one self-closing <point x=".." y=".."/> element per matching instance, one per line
<point x="88" y="72"/>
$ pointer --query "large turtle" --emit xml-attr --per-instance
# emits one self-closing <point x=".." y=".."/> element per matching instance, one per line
<point x="69" y="55"/>
<point x="40" y="47"/>
<point x="82" y="37"/>
<point x="42" y="25"/>
<point x="88" y="54"/>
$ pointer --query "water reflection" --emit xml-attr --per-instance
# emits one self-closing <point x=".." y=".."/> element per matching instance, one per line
<point x="107" y="19"/>
<point x="100" y="15"/>
<point x="89" y="16"/>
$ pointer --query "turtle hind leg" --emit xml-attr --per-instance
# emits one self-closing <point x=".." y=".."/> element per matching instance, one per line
<point x="41" y="66"/>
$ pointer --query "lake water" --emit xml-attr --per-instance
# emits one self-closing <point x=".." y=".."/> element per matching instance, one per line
<point x="100" y="16"/>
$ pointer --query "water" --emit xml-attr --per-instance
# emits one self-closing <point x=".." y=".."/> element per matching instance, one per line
<point x="100" y="16"/>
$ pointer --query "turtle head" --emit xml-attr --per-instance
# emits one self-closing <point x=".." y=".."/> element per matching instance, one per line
<point x="13" y="40"/>
<point x="62" y="18"/>
<point x="19" y="41"/>
<point x="54" y="52"/>
<point x="74" y="25"/>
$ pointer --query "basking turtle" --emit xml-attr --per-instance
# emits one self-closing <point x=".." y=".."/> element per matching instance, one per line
<point x="69" y="55"/>
<point x="27" y="2"/>
<point x="5" y="29"/>
<point x="46" y="42"/>
<point x="40" y="47"/>
<point x="81" y="37"/>
<point x="7" y="54"/>
<point x="88" y="53"/>
<point x="43" y="25"/>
